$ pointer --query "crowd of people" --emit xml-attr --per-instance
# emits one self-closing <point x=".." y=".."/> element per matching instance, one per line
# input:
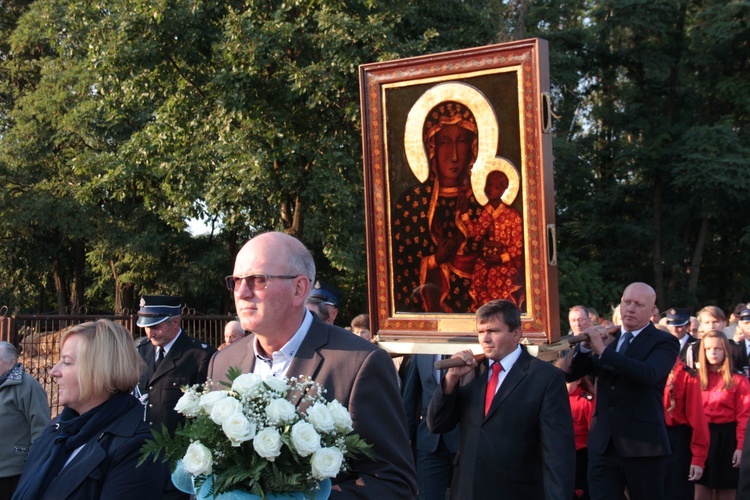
<point x="657" y="409"/>
<point x="704" y="399"/>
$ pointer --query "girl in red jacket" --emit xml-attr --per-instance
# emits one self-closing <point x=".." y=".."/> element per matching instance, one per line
<point x="726" y="402"/>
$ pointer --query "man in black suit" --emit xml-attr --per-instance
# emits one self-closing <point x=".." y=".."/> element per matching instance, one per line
<point x="628" y="435"/>
<point x="516" y="428"/>
<point x="434" y="452"/>
<point x="172" y="360"/>
<point x="678" y="323"/>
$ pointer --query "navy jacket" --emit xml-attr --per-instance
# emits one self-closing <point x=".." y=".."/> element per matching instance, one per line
<point x="186" y="363"/>
<point x="105" y="466"/>
<point x="629" y="392"/>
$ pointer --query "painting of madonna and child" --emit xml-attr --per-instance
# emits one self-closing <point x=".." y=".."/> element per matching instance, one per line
<point x="456" y="216"/>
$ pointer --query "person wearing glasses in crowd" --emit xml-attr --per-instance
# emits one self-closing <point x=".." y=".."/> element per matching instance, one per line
<point x="172" y="360"/>
<point x="273" y="276"/>
<point x="578" y="319"/>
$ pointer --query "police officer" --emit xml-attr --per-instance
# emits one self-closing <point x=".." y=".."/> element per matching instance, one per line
<point x="172" y="360"/>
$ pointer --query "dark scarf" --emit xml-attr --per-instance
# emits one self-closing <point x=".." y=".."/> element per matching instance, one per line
<point x="72" y="431"/>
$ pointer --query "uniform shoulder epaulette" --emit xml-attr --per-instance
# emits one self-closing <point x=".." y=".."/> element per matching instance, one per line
<point x="141" y="342"/>
<point x="200" y="344"/>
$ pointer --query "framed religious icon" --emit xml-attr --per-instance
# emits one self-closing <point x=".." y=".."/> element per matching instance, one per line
<point x="459" y="192"/>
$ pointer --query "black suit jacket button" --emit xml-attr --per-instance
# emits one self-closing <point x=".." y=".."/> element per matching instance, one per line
<point x="611" y="410"/>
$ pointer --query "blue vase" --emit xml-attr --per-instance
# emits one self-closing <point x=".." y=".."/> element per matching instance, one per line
<point x="183" y="480"/>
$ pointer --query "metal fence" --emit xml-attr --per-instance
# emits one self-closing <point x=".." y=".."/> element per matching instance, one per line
<point x="37" y="338"/>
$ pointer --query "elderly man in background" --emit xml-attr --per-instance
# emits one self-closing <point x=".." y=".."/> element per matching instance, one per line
<point x="272" y="279"/>
<point x="578" y="319"/>
<point x="232" y="333"/>
<point x="24" y="412"/>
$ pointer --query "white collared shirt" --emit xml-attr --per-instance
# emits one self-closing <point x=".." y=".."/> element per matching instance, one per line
<point x="167" y="347"/>
<point x="634" y="333"/>
<point x="683" y="341"/>
<point x="507" y="363"/>
<point x="280" y="360"/>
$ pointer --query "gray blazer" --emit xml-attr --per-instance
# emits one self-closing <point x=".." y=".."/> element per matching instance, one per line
<point x="361" y="377"/>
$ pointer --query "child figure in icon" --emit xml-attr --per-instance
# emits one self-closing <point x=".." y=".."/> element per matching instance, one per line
<point x="498" y="270"/>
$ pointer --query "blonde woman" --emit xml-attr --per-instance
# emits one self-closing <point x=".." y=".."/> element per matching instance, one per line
<point x="91" y="449"/>
<point x="726" y="402"/>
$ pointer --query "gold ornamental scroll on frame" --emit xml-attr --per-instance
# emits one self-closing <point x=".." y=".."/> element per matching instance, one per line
<point x="459" y="195"/>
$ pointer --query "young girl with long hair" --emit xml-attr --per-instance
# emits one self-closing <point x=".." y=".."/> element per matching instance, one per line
<point x="726" y="402"/>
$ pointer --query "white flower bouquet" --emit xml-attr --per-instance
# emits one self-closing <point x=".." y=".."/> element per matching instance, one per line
<point x="258" y="436"/>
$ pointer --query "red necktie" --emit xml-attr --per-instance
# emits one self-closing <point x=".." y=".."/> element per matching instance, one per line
<point x="491" y="386"/>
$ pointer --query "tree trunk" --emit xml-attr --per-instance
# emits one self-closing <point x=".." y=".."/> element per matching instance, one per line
<point x="697" y="260"/>
<point x="77" y="286"/>
<point x="61" y="293"/>
<point x="657" y="259"/>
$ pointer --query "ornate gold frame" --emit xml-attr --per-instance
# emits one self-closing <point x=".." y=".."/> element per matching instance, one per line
<point x="510" y="81"/>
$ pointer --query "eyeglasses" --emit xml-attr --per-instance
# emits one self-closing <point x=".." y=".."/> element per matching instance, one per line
<point x="254" y="282"/>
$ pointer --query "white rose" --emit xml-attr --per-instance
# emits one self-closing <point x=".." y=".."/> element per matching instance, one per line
<point x="280" y="410"/>
<point x="224" y="408"/>
<point x="341" y="418"/>
<point x="320" y="417"/>
<point x="238" y="429"/>
<point x="304" y="439"/>
<point x="268" y="443"/>
<point x="188" y="404"/>
<point x="277" y="385"/>
<point x="198" y="460"/>
<point x="247" y="384"/>
<point x="326" y="462"/>
<point x="208" y="401"/>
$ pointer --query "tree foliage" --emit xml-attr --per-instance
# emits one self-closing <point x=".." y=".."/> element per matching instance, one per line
<point x="120" y="120"/>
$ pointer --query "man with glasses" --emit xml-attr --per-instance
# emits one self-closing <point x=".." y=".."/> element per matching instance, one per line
<point x="271" y="282"/>
<point x="578" y="319"/>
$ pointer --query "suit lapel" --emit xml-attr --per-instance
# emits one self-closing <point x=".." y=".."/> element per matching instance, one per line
<point x="170" y="361"/>
<point x="307" y="360"/>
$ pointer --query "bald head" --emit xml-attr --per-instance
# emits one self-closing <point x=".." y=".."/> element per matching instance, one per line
<point x="637" y="306"/>
<point x="285" y="248"/>
<point x="272" y="304"/>
<point x="233" y="332"/>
